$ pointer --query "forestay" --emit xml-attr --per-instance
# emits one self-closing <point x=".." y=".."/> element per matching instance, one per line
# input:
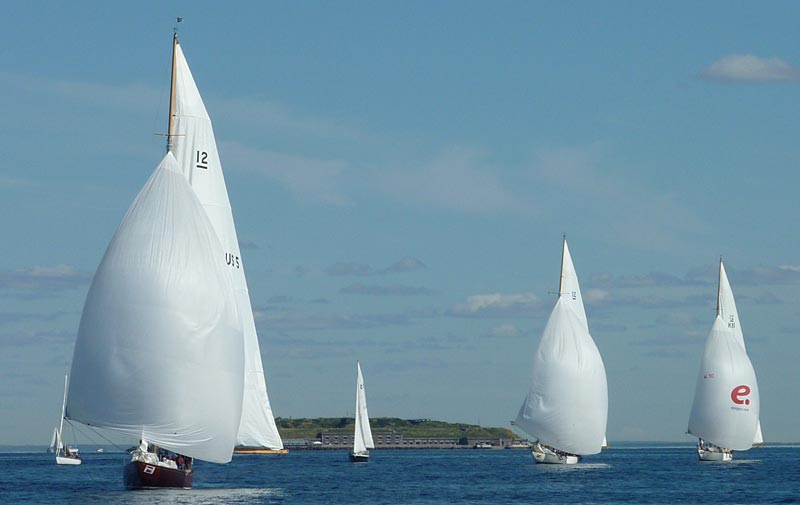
<point x="195" y="149"/>
<point x="362" y="439"/>
<point x="567" y="403"/>
<point x="726" y="403"/>
<point x="159" y="350"/>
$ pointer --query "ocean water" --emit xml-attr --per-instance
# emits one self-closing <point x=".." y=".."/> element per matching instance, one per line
<point x="620" y="475"/>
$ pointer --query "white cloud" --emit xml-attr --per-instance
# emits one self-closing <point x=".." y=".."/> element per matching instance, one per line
<point x="596" y="296"/>
<point x="587" y="189"/>
<point x="43" y="280"/>
<point x="391" y="290"/>
<point x="505" y="330"/>
<point x="495" y="304"/>
<point x="309" y="179"/>
<point x="750" y="68"/>
<point x="457" y="179"/>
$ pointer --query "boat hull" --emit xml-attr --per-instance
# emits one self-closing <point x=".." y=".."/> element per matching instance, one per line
<point x="254" y="450"/>
<point x="64" y="460"/>
<point x="359" y="458"/>
<point x="546" y="456"/>
<point x="141" y="475"/>
<point x="705" y="455"/>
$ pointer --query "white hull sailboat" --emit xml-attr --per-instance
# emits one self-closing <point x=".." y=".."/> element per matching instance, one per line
<point x="710" y="452"/>
<point x="544" y="454"/>
<point x="362" y="438"/>
<point x="161" y="348"/>
<point x="725" y="410"/>
<point x="65" y="455"/>
<point x="567" y="403"/>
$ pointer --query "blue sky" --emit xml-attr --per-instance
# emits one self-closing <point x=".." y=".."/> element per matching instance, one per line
<point x="401" y="176"/>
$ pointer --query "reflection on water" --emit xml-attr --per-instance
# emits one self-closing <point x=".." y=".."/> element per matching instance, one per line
<point x="199" y="496"/>
<point x="419" y="477"/>
<point x="573" y="468"/>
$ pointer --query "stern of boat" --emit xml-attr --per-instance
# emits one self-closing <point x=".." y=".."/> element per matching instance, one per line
<point x="141" y="475"/>
<point x="361" y="457"/>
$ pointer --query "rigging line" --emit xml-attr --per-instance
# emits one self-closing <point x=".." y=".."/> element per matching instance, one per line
<point x="74" y="426"/>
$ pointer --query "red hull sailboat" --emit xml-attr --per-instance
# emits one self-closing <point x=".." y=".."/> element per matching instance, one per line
<point x="141" y="475"/>
<point x="160" y="348"/>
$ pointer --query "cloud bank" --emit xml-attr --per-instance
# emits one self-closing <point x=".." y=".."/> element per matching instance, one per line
<point x="749" y="68"/>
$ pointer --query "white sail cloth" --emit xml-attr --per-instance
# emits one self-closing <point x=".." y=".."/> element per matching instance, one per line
<point x="159" y="351"/>
<point x="726" y="403"/>
<point x="362" y="439"/>
<point x="567" y="402"/>
<point x="195" y="148"/>
<point x="55" y="442"/>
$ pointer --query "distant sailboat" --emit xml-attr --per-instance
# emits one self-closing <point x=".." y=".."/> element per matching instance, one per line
<point x="65" y="455"/>
<point x="566" y="408"/>
<point x="53" y="440"/>
<point x="160" y="352"/>
<point x="362" y="438"/>
<point x="725" y="411"/>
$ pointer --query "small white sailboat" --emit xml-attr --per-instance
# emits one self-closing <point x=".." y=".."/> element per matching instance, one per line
<point x="65" y="455"/>
<point x="566" y="408"/>
<point x="725" y="410"/>
<point x="53" y="445"/>
<point x="160" y="353"/>
<point x="362" y="438"/>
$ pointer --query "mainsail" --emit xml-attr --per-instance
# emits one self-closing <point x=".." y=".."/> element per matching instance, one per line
<point x="195" y="148"/>
<point x="362" y="439"/>
<point x="726" y="403"/>
<point x="567" y="402"/>
<point x="159" y="352"/>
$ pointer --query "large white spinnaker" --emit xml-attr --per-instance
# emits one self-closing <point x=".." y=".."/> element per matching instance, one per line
<point x="726" y="403"/>
<point x="159" y="352"/>
<point x="567" y="402"/>
<point x="362" y="439"/>
<point x="195" y="148"/>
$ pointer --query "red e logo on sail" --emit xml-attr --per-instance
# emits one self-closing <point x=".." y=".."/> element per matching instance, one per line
<point x="737" y="394"/>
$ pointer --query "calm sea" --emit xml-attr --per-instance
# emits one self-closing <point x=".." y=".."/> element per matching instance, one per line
<point x="621" y="475"/>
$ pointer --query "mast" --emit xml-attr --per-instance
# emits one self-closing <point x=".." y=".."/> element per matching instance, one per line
<point x="719" y="287"/>
<point x="63" y="410"/>
<point x="359" y="430"/>
<point x="561" y="278"/>
<point x="172" y="90"/>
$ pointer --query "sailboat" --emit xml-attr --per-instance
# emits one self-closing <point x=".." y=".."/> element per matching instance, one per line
<point x="362" y="438"/>
<point x="65" y="455"/>
<point x="192" y="142"/>
<point x="160" y="353"/>
<point x="566" y="408"/>
<point x="725" y="411"/>
<point x="53" y="440"/>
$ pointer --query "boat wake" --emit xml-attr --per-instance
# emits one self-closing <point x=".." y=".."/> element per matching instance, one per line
<point x="207" y="496"/>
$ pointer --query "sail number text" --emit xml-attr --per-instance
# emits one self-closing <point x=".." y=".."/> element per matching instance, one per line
<point x="201" y="158"/>
<point x="232" y="260"/>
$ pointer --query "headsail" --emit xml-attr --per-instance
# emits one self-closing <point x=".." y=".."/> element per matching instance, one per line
<point x="195" y="148"/>
<point x="726" y="403"/>
<point x="362" y="439"/>
<point x="567" y="403"/>
<point x="159" y="351"/>
<point x="569" y="289"/>
<point x="758" y="440"/>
